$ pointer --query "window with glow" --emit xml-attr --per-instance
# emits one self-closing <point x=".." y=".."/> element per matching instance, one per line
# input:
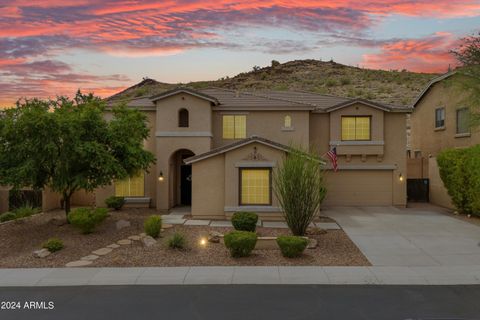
<point x="463" y="121"/>
<point x="234" y="127"/>
<point x="255" y="186"/>
<point x="356" y="128"/>
<point x="288" y="122"/>
<point x="131" y="187"/>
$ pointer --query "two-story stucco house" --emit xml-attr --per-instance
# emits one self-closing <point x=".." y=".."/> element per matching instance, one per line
<point x="217" y="150"/>
<point x="440" y="121"/>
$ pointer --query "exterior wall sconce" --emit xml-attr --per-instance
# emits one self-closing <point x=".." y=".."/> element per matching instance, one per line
<point x="160" y="176"/>
<point x="400" y="177"/>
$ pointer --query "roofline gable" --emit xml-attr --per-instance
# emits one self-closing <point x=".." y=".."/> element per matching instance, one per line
<point x="430" y="84"/>
<point x="369" y="103"/>
<point x="192" y="92"/>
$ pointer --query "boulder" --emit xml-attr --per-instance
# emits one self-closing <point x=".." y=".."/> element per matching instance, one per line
<point x="312" y="243"/>
<point x="314" y="231"/>
<point x="214" y="236"/>
<point x="122" y="224"/>
<point x="134" y="238"/>
<point x="58" y="222"/>
<point x="42" y="253"/>
<point x="148" y="241"/>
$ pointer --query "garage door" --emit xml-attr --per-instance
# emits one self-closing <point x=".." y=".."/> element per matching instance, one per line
<point x="359" y="188"/>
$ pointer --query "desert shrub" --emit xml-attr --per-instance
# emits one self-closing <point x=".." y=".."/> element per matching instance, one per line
<point x="240" y="243"/>
<point x="291" y="246"/>
<point x="177" y="241"/>
<point x="331" y="83"/>
<point x="53" y="244"/>
<point x="153" y="226"/>
<point x="460" y="172"/>
<point x="345" y="80"/>
<point x="300" y="188"/>
<point x="7" y="216"/>
<point x="115" y="202"/>
<point x="245" y="221"/>
<point x="87" y="219"/>
<point x="25" y="211"/>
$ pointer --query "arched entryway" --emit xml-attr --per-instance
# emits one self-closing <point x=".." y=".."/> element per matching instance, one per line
<point x="180" y="183"/>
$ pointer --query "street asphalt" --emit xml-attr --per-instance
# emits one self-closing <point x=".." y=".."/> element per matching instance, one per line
<point x="229" y="302"/>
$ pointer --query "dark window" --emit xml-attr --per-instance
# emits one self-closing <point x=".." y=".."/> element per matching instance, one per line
<point x="463" y="121"/>
<point x="439" y="117"/>
<point x="183" y="118"/>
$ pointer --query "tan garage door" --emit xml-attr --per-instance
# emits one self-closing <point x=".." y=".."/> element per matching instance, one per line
<point x="359" y="188"/>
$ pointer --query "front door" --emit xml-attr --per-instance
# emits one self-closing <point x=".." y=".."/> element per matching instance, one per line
<point x="186" y="185"/>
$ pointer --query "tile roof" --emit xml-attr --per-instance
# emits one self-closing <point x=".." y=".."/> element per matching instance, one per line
<point x="431" y="83"/>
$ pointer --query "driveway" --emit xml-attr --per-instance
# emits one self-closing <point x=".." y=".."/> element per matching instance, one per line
<point x="389" y="236"/>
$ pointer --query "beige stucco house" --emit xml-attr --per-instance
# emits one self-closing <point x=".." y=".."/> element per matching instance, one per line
<point x="439" y="121"/>
<point x="217" y="150"/>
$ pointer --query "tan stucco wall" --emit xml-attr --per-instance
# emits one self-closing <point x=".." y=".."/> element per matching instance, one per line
<point x="424" y="137"/>
<point x="417" y="168"/>
<point x="209" y="193"/>
<point x="50" y="200"/>
<point x="3" y="199"/>
<point x="438" y="192"/>
<point x="267" y="124"/>
<point x="83" y="198"/>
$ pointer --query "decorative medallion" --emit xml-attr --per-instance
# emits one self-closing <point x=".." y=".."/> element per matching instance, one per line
<point x="255" y="156"/>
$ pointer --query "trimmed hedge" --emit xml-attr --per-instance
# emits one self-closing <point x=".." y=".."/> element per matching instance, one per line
<point x="153" y="226"/>
<point x="292" y="246"/>
<point x="460" y="173"/>
<point x="245" y="221"/>
<point x="240" y="243"/>
<point x="87" y="219"/>
<point x="115" y="202"/>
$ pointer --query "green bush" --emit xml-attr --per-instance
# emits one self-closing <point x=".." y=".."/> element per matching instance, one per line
<point x="115" y="202"/>
<point x="245" y="221"/>
<point x="25" y="211"/>
<point x="177" y="241"/>
<point x="152" y="226"/>
<point x="240" y="243"/>
<point x="86" y="219"/>
<point x="291" y="246"/>
<point x="7" y="216"/>
<point x="460" y="172"/>
<point x="53" y="244"/>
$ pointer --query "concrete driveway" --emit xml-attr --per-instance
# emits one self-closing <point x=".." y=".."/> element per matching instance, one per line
<point x="423" y="236"/>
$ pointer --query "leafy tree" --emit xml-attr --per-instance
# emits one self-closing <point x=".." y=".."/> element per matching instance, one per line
<point x="468" y="55"/>
<point x="300" y="189"/>
<point x="68" y="145"/>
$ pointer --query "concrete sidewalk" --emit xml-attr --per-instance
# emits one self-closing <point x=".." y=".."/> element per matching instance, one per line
<point x="435" y="275"/>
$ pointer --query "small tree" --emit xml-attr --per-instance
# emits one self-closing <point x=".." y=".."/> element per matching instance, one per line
<point x="300" y="189"/>
<point x="68" y="145"/>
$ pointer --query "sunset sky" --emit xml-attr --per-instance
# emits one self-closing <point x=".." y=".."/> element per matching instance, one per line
<point x="57" y="46"/>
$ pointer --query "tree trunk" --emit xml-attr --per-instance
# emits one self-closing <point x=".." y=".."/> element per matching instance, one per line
<point x="66" y="200"/>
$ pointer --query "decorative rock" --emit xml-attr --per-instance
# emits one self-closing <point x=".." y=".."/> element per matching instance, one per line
<point x="143" y="234"/>
<point x="113" y="246"/>
<point x="214" y="236"/>
<point x="102" y="251"/>
<point x="42" y="253"/>
<point x="167" y="226"/>
<point x="122" y="224"/>
<point x="124" y="242"/>
<point x="78" y="263"/>
<point x="58" y="222"/>
<point x="90" y="257"/>
<point x="315" y="231"/>
<point x="134" y="238"/>
<point x="312" y="243"/>
<point x="148" y="241"/>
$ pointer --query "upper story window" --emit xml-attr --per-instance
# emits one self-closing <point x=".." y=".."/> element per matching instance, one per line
<point x="183" y="118"/>
<point x="439" y="117"/>
<point x="234" y="126"/>
<point x="463" y="121"/>
<point x="356" y="128"/>
<point x="287" y="123"/>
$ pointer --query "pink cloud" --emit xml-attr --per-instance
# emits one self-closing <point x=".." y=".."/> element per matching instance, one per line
<point x="429" y="54"/>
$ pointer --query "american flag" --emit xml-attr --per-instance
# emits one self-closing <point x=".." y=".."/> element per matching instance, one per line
<point x="332" y="154"/>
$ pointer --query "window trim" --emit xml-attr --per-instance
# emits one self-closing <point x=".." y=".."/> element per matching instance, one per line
<point x="356" y="116"/>
<point x="269" y="169"/>
<point x="444" y="114"/>
<point x="468" y="131"/>
<point x="234" y="126"/>
<point x="187" y="115"/>
<point x="129" y="196"/>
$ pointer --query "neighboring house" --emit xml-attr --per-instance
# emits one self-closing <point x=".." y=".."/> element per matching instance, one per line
<point x="440" y="121"/>
<point x="217" y="150"/>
